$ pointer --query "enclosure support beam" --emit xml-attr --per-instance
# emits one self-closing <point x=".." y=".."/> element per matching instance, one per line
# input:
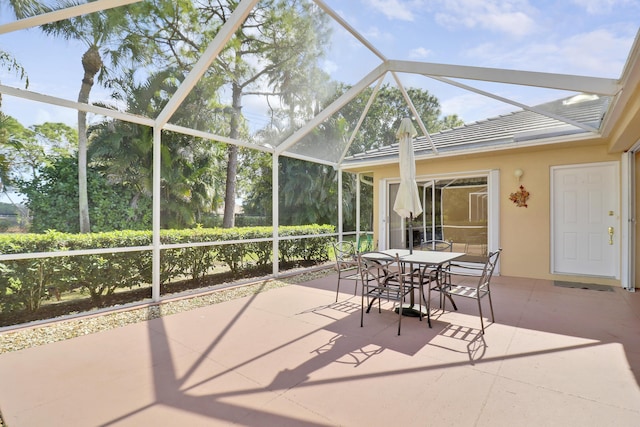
<point x="358" y="209"/>
<point x="155" y="280"/>
<point x="275" y="212"/>
<point x="63" y="13"/>
<point x="340" y="203"/>
<point x="596" y="85"/>
<point x="336" y="105"/>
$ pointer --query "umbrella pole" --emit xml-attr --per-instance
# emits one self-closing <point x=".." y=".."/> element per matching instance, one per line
<point x="410" y="232"/>
<point x="408" y="309"/>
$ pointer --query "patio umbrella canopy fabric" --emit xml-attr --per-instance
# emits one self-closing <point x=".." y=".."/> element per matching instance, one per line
<point x="407" y="203"/>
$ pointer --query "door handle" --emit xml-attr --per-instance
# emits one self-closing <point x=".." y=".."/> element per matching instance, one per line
<point x="611" y="235"/>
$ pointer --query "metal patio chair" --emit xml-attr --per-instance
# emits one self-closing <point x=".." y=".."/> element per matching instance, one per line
<point x="346" y="264"/>
<point x="436" y="245"/>
<point x="433" y="245"/>
<point x="382" y="278"/>
<point x="468" y="282"/>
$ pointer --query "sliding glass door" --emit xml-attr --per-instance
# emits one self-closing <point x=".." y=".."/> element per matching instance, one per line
<point x="455" y="209"/>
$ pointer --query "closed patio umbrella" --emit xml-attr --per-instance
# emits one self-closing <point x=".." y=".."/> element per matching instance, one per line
<point x="407" y="203"/>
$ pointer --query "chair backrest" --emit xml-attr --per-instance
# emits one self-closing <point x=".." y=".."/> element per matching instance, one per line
<point x="378" y="266"/>
<point x="437" y="245"/>
<point x="365" y="243"/>
<point x="344" y="251"/>
<point x="489" y="267"/>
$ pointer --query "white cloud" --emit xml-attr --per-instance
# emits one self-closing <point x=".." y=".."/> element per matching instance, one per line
<point x="596" y="53"/>
<point x="329" y="66"/>
<point x="516" y="24"/>
<point x="599" y="52"/>
<point x="597" y="7"/>
<point x="512" y="17"/>
<point x="420" y="53"/>
<point x="393" y="9"/>
<point x="30" y="113"/>
<point x="375" y="33"/>
<point x="471" y="107"/>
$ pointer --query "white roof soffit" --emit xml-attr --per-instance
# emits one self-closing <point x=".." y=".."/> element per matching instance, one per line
<point x="67" y="13"/>
<point x="592" y="85"/>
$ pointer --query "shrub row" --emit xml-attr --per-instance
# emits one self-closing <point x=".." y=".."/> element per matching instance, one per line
<point x="25" y="283"/>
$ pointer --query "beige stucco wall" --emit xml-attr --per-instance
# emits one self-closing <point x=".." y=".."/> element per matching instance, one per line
<point x="524" y="232"/>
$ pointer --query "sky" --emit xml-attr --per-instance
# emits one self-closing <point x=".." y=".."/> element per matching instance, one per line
<point x="581" y="37"/>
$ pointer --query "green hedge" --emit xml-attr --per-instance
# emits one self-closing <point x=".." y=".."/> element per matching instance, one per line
<point x="24" y="284"/>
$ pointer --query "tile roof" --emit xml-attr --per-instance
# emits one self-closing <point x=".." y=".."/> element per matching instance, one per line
<point x="520" y="127"/>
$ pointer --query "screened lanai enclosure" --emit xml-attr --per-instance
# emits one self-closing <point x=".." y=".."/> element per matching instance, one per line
<point x="147" y="142"/>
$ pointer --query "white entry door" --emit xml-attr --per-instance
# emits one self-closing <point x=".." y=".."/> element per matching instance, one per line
<point x="585" y="220"/>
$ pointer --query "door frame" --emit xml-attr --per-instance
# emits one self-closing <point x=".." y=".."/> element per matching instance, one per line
<point x="493" y="188"/>
<point x="552" y="214"/>
<point x="628" y="218"/>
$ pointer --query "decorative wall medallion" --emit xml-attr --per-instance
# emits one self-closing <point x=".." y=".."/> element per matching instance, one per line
<point x="520" y="197"/>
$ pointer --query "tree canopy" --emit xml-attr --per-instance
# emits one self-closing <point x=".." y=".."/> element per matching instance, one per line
<point x="274" y="56"/>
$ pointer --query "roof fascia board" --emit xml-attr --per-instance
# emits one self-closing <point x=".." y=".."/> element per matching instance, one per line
<point x="217" y="44"/>
<point x="593" y="85"/>
<point x="630" y="81"/>
<point x="376" y="73"/>
<point x="52" y="100"/>
<point x="523" y="144"/>
<point x="62" y="14"/>
<point x="631" y="66"/>
<point x="417" y="117"/>
<point x="625" y="126"/>
<point x="349" y="28"/>
<point x="361" y="119"/>
<point x="465" y="151"/>
<point x="518" y="104"/>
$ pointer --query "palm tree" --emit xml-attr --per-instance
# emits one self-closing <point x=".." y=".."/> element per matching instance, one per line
<point x="9" y="63"/>
<point x="25" y="8"/>
<point x="102" y="33"/>
<point x="190" y="166"/>
<point x="21" y="9"/>
<point x="289" y="54"/>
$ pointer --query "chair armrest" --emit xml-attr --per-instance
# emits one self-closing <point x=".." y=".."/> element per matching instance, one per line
<point x="463" y="268"/>
<point x="347" y="263"/>
<point x="461" y="271"/>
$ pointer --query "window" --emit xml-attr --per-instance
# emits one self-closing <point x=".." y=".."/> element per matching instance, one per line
<point x="454" y="210"/>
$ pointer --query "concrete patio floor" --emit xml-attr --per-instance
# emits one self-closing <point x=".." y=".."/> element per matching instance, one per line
<point x="293" y="357"/>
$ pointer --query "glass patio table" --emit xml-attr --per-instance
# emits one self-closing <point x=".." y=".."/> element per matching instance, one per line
<point x="433" y="259"/>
